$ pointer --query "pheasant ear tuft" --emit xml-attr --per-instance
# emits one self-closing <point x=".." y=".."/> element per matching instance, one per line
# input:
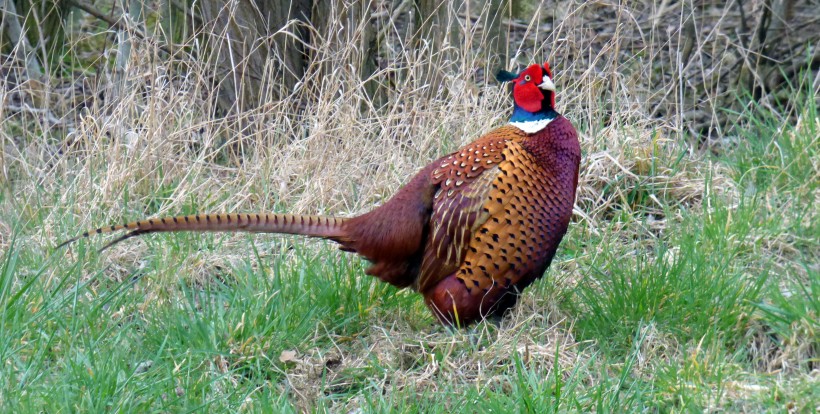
<point x="504" y="76"/>
<point x="547" y="69"/>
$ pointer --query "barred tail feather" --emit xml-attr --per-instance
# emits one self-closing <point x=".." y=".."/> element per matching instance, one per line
<point x="313" y="226"/>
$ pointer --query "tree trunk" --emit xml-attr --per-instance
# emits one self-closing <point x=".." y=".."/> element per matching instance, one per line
<point x="244" y="36"/>
<point x="340" y="22"/>
<point x="430" y="23"/>
<point x="11" y="26"/>
<point x="497" y="34"/>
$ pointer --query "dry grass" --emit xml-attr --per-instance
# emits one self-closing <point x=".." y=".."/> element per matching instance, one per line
<point x="611" y="77"/>
<point x="432" y="363"/>
<point x="336" y="153"/>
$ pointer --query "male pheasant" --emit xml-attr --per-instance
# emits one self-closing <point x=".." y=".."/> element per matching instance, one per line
<point x="470" y="231"/>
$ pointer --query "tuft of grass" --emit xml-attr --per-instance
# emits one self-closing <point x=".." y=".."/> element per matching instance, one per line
<point x="690" y="286"/>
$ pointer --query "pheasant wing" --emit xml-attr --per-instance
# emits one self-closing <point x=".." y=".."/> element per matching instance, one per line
<point x="465" y="180"/>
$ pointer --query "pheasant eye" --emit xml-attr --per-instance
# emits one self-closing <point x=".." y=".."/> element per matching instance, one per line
<point x="527" y="78"/>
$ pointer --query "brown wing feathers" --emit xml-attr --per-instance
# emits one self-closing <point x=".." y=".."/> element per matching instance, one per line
<point x="463" y="179"/>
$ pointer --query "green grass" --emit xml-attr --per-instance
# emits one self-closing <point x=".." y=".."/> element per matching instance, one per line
<point x="691" y="286"/>
<point x="719" y="310"/>
<point x="105" y="344"/>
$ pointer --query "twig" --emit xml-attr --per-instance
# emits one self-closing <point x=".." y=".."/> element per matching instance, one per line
<point x="47" y="114"/>
<point x="515" y="24"/>
<point x="116" y="23"/>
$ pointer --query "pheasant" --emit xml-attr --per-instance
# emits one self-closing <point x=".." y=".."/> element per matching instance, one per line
<point x="469" y="231"/>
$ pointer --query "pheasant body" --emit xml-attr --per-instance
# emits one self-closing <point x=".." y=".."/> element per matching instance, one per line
<point x="470" y="230"/>
<point x="509" y="233"/>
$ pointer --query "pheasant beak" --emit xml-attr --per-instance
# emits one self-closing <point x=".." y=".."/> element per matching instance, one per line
<point x="547" y="84"/>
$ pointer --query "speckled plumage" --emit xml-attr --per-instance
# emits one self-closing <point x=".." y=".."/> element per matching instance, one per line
<point x="503" y="235"/>
<point x="469" y="231"/>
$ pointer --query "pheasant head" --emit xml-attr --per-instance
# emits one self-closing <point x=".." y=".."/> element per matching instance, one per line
<point x="534" y="96"/>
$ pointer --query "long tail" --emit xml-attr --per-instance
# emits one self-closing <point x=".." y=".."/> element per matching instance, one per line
<point x="314" y="226"/>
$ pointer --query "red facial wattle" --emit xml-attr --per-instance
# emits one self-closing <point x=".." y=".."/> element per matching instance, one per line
<point x="528" y="97"/>
<point x="526" y="92"/>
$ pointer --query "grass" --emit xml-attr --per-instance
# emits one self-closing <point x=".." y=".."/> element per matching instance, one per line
<point x="688" y="280"/>
<point x="718" y="310"/>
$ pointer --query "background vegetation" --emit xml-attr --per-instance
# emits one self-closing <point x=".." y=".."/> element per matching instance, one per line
<point x="688" y="281"/>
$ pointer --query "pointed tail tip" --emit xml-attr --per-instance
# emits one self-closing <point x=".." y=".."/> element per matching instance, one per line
<point x="72" y="240"/>
<point x="124" y="237"/>
<point x="67" y="242"/>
